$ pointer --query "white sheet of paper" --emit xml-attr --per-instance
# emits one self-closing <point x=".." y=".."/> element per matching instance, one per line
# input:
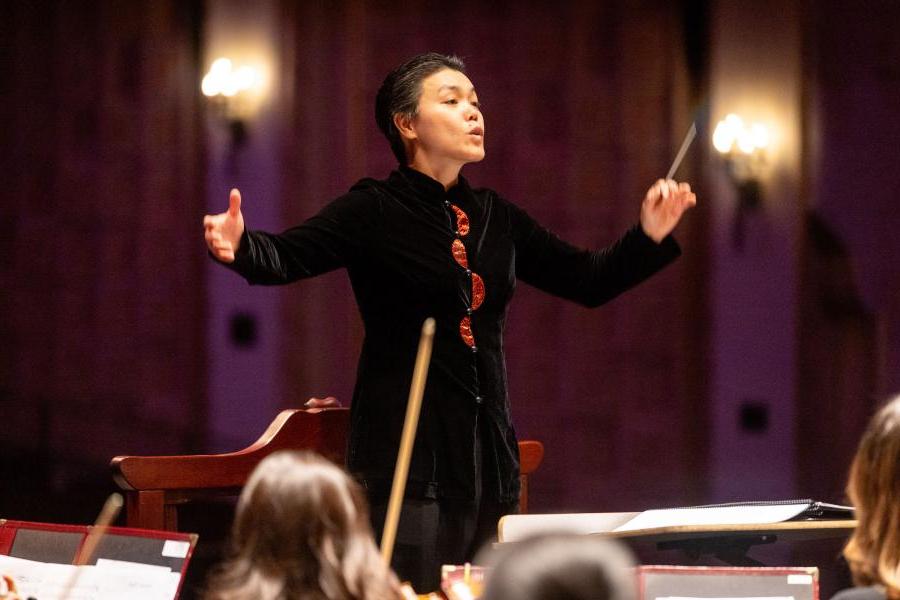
<point x="49" y="581"/>
<point x="721" y="515"/>
<point x="176" y="548"/>
<point x="518" y="527"/>
<point x="108" y="563"/>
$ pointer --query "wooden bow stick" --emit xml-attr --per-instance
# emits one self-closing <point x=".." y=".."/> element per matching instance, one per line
<point x="107" y="515"/>
<point x="410" y="424"/>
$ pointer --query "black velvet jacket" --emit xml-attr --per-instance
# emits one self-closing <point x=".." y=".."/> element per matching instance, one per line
<point x="394" y="237"/>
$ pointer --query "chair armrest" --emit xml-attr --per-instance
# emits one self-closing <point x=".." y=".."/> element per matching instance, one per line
<point x="531" y="455"/>
<point x="323" y="430"/>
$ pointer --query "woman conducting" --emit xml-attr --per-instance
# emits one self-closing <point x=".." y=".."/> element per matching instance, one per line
<point x="424" y="243"/>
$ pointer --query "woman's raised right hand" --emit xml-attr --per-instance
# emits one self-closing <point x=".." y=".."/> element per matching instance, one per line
<point x="223" y="231"/>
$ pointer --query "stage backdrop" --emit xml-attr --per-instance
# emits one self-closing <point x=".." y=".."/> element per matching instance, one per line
<point x="100" y="260"/>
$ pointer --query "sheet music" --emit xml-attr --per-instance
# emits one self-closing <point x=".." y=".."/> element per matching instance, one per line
<point x="720" y="515"/>
<point x="517" y="527"/>
<point x="110" y="580"/>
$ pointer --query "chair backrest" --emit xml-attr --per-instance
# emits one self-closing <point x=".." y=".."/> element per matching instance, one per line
<point x="154" y="486"/>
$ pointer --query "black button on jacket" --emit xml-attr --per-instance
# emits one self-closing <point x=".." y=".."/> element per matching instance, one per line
<point x="394" y="238"/>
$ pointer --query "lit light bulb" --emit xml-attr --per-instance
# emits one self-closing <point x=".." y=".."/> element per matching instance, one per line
<point x="760" y="135"/>
<point x="735" y="122"/>
<point x="221" y="65"/>
<point x="216" y="80"/>
<point x="237" y="90"/>
<point x="211" y="85"/>
<point x="745" y="141"/>
<point x="229" y="86"/>
<point x="222" y="79"/>
<point x="723" y="137"/>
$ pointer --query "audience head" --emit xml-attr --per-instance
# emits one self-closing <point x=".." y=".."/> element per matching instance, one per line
<point x="873" y="551"/>
<point x="562" y="567"/>
<point x="302" y="531"/>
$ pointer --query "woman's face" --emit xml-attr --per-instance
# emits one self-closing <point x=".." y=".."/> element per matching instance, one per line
<point x="449" y="125"/>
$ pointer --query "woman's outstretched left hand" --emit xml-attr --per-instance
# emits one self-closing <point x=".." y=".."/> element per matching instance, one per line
<point x="663" y="206"/>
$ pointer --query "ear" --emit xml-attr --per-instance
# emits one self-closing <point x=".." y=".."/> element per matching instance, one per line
<point x="404" y="125"/>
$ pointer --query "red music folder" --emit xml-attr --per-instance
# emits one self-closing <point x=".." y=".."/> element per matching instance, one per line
<point x="723" y="583"/>
<point x="139" y="564"/>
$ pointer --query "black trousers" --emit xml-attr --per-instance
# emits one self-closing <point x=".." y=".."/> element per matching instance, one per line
<point x="432" y="533"/>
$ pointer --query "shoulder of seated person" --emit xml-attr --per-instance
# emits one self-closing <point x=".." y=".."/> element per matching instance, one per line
<point x="860" y="593"/>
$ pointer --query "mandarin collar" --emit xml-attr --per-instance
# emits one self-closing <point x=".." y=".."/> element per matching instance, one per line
<point x="431" y="188"/>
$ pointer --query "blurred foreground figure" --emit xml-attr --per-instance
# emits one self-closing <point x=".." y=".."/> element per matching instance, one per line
<point x="302" y="530"/>
<point x="873" y="551"/>
<point x="563" y="567"/>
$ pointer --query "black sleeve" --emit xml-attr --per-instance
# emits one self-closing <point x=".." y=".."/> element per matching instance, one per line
<point x="332" y="239"/>
<point x="589" y="277"/>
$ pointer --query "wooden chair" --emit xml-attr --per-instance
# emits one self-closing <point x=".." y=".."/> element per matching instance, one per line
<point x="154" y="486"/>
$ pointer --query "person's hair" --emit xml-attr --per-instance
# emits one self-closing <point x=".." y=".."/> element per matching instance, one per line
<point x="873" y="551"/>
<point x="302" y="531"/>
<point x="562" y="567"/>
<point x="400" y="92"/>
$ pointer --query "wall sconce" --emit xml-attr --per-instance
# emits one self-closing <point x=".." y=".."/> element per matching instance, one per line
<point x="234" y="94"/>
<point x="744" y="151"/>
